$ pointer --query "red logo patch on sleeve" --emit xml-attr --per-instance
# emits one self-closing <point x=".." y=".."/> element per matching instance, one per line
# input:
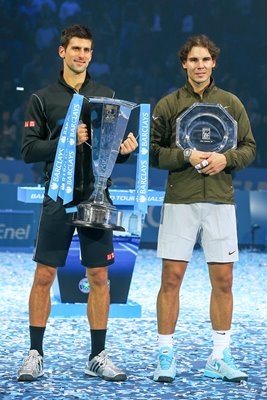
<point x="110" y="256"/>
<point x="30" y="124"/>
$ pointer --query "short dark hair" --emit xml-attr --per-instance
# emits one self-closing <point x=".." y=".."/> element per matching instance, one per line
<point x="76" y="30"/>
<point x="200" y="41"/>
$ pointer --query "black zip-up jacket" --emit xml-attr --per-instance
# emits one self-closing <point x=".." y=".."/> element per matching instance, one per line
<point x="44" y="119"/>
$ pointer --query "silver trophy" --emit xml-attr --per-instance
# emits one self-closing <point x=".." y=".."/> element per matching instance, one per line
<point x="206" y="127"/>
<point x="109" y="119"/>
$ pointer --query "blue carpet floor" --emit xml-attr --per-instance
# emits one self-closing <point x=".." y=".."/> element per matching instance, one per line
<point x="132" y="342"/>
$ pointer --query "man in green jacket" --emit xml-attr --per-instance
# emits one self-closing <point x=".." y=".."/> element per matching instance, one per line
<point x="199" y="202"/>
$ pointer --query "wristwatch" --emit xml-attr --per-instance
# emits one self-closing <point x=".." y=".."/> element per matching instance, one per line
<point x="187" y="154"/>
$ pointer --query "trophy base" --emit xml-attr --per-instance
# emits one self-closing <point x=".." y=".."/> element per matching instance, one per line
<point x="99" y="216"/>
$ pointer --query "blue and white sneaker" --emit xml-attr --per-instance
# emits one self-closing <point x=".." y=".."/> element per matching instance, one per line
<point x="166" y="368"/>
<point x="224" y="368"/>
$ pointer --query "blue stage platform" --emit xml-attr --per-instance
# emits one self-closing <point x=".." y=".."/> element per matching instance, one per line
<point x="129" y="310"/>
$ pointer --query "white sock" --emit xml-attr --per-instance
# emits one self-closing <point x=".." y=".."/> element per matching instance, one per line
<point x="221" y="340"/>
<point x="165" y="340"/>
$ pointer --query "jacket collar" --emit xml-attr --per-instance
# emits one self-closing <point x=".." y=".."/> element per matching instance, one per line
<point x="190" y="89"/>
<point x="63" y="82"/>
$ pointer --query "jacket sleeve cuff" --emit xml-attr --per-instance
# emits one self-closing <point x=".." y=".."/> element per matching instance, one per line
<point x="229" y="155"/>
<point x="172" y="159"/>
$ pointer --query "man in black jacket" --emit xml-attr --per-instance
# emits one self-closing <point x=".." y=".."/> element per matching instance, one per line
<point x="44" y="119"/>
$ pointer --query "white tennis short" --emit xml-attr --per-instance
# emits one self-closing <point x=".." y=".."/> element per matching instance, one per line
<point x="212" y="225"/>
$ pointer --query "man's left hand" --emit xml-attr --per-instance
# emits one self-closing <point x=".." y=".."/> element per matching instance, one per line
<point x="129" y="145"/>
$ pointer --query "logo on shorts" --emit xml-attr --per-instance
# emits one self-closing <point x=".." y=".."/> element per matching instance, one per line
<point x="110" y="256"/>
<point x="84" y="286"/>
<point x="231" y="252"/>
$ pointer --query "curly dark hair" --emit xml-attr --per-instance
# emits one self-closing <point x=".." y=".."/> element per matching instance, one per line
<point x="200" y="41"/>
<point x="76" y="30"/>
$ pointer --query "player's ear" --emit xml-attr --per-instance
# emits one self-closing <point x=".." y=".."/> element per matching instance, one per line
<point x="61" y="52"/>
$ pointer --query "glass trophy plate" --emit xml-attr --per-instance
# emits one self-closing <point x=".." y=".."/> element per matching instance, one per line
<point x="206" y="127"/>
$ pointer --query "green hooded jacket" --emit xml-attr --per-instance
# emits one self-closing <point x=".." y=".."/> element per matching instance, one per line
<point x="185" y="185"/>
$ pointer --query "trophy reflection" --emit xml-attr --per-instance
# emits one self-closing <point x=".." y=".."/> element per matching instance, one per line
<point x="109" y="119"/>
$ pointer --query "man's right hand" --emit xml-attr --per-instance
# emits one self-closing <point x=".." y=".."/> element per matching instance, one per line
<point x="82" y="134"/>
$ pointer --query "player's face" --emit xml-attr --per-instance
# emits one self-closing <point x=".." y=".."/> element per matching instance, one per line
<point x="198" y="66"/>
<point x="77" y="55"/>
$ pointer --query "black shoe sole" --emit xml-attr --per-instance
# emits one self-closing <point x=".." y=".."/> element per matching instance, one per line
<point x="166" y="379"/>
<point x="117" y="378"/>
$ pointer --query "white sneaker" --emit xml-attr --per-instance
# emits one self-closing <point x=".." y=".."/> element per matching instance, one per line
<point x="102" y="366"/>
<point x="32" y="367"/>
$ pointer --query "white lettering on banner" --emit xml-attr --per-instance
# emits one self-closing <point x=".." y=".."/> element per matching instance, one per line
<point x="75" y="116"/>
<point x="63" y="176"/>
<point x="58" y="165"/>
<point x="72" y="130"/>
<point x="128" y="199"/>
<point x="140" y="204"/>
<point x="145" y="129"/>
<point x="156" y="199"/>
<point x="143" y="177"/>
<point x="36" y="196"/>
<point x="70" y="168"/>
<point x="61" y="183"/>
<point x="14" y="233"/>
<point x="125" y="198"/>
<point x="117" y="195"/>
